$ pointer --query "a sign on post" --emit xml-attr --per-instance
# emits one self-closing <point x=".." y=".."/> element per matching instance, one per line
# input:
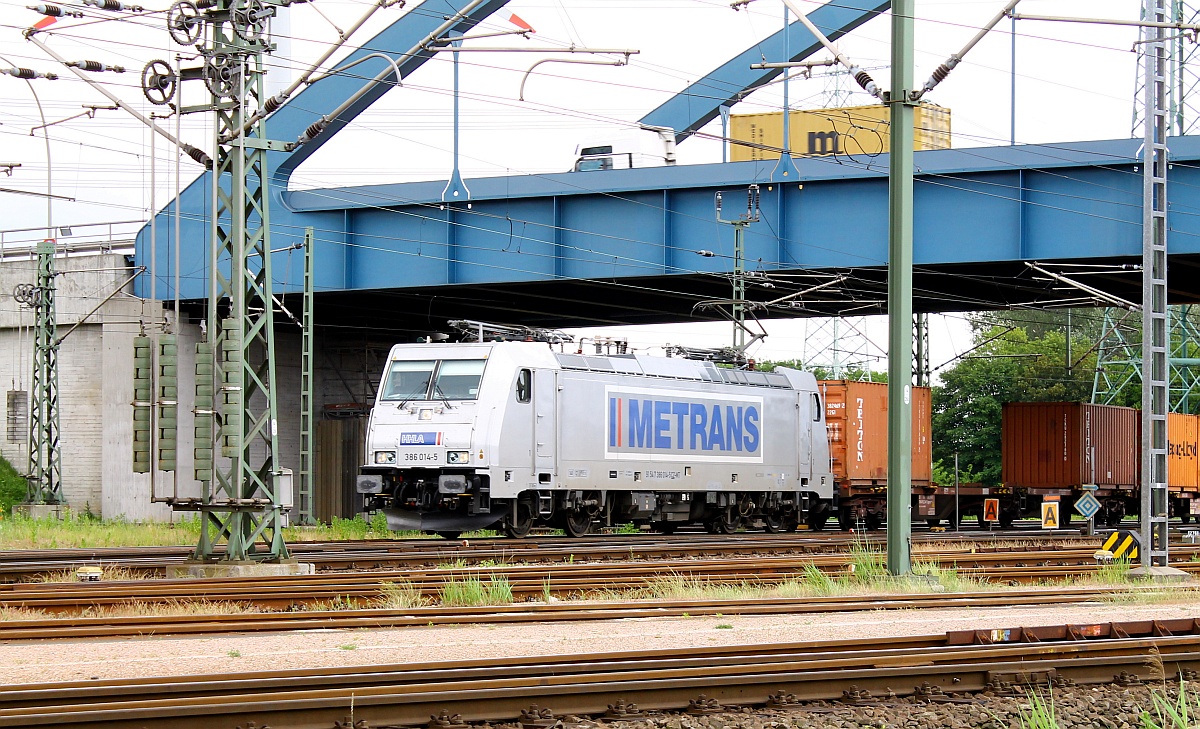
<point x="1087" y="505"/>
<point x="1049" y="514"/>
<point x="991" y="509"/>
<point x="1123" y="545"/>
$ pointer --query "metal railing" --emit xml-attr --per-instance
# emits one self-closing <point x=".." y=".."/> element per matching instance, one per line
<point x="73" y="240"/>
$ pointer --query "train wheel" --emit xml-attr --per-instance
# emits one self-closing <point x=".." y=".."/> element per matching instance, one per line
<point x="449" y="535"/>
<point x="1006" y="521"/>
<point x="727" y="521"/>
<point x="524" y="522"/>
<point x="666" y="527"/>
<point x="872" y="522"/>
<point x="1185" y="518"/>
<point x="773" y="523"/>
<point x="933" y="522"/>
<point x="845" y="521"/>
<point x="577" y="523"/>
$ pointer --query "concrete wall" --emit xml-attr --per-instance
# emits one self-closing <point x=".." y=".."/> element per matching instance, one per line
<point x="96" y="384"/>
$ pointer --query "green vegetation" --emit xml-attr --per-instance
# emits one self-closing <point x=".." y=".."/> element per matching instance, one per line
<point x="1178" y="713"/>
<point x="85" y="531"/>
<point x="724" y="626"/>
<point x="1115" y="572"/>
<point x="821" y="373"/>
<point x="12" y="488"/>
<point x="1019" y="357"/>
<point x="473" y="591"/>
<point x="399" y="595"/>
<point x="234" y="654"/>
<point x="1040" y="714"/>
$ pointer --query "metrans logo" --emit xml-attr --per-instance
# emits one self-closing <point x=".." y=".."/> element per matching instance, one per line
<point x="678" y="426"/>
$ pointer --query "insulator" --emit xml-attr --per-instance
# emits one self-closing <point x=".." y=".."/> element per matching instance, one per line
<point x="143" y="361"/>
<point x="273" y="103"/>
<point x="168" y="401"/>
<point x="203" y="4"/>
<point x="863" y="78"/>
<point x="203" y="435"/>
<point x="315" y="128"/>
<point x="52" y="10"/>
<point x="96" y="66"/>
<point x="198" y="155"/>
<point x="230" y="400"/>
<point x="940" y="73"/>
<point x="114" y="6"/>
<point x="25" y="73"/>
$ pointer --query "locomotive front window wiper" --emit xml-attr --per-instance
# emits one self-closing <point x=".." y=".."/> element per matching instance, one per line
<point x="437" y="392"/>
<point x="412" y="395"/>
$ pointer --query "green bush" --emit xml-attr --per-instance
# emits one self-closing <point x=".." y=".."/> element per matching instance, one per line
<point x="12" y="487"/>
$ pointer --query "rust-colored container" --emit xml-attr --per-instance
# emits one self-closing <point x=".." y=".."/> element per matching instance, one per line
<point x="1055" y="445"/>
<point x="1183" y="465"/>
<point x="856" y="416"/>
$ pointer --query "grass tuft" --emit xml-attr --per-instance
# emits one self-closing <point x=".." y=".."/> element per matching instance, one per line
<point x="1040" y="714"/>
<point x="473" y="591"/>
<point x="400" y="595"/>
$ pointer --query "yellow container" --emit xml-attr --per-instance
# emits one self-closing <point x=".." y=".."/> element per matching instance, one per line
<point x="853" y="130"/>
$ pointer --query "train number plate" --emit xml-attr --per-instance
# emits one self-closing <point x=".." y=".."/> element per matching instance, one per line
<point x="421" y="455"/>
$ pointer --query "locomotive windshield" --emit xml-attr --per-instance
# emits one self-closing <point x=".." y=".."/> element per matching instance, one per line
<point x="458" y="379"/>
<point x="408" y="379"/>
<point x="452" y="379"/>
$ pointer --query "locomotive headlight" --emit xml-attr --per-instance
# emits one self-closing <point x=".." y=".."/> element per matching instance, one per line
<point x="385" y="456"/>
<point x="458" y="457"/>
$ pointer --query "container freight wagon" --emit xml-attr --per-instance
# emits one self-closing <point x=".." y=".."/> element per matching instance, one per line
<point x="1183" y="465"/>
<point x="512" y="434"/>
<point x="856" y="415"/>
<point x="1054" y="449"/>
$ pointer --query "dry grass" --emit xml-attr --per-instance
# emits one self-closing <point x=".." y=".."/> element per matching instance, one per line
<point x="108" y="573"/>
<point x="9" y="614"/>
<point x="400" y="595"/>
<point x="172" y="608"/>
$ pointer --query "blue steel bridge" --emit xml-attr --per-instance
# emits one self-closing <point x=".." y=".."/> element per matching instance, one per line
<point x="622" y="246"/>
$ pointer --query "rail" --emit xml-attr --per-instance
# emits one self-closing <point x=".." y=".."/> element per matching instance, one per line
<point x="625" y="684"/>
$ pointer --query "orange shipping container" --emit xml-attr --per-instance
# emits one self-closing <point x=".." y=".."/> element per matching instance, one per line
<point x="1068" y="444"/>
<point x="856" y="416"/>
<point x="1183" y="437"/>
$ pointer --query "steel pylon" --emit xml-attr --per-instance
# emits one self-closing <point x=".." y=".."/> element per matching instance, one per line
<point x="241" y="503"/>
<point x="44" y="481"/>
<point x="1119" y="359"/>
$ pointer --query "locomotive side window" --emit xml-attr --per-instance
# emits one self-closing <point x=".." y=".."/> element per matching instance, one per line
<point x="458" y="379"/>
<point x="408" y="379"/>
<point x="816" y="406"/>
<point x="524" y="386"/>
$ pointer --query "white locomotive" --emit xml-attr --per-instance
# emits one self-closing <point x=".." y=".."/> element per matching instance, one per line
<point x="508" y="434"/>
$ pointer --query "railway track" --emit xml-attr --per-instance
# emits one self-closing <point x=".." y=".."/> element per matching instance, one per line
<point x="525" y="580"/>
<point x="131" y="626"/>
<point x="27" y="565"/>
<point x="703" y="680"/>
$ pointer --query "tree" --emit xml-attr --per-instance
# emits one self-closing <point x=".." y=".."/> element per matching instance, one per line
<point x="822" y="373"/>
<point x="968" y="404"/>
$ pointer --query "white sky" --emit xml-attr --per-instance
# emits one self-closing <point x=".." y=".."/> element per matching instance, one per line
<point x="1073" y="82"/>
